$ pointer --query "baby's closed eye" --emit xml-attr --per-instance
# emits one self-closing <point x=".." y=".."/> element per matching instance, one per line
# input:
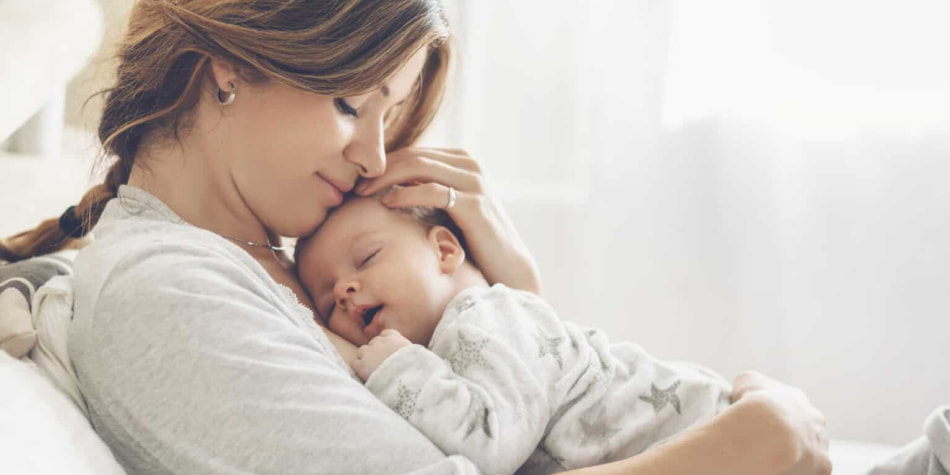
<point x="368" y="258"/>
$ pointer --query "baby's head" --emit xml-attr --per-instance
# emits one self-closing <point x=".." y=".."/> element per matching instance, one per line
<point x="369" y="267"/>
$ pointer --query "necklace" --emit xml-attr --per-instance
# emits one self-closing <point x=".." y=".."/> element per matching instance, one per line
<point x="255" y="244"/>
<point x="146" y="201"/>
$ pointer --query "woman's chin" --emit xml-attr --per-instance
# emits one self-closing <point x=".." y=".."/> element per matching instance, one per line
<point x="305" y="226"/>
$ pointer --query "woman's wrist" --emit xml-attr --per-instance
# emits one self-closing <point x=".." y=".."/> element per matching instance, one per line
<point x="508" y="261"/>
<point x="525" y="275"/>
<point x="761" y="427"/>
<point x="749" y="438"/>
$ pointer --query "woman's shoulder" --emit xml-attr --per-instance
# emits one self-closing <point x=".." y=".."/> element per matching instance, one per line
<point x="159" y="254"/>
<point x="172" y="272"/>
<point x="176" y="280"/>
<point x="139" y="236"/>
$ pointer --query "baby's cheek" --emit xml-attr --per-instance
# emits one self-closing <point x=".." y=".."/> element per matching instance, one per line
<point x="334" y="326"/>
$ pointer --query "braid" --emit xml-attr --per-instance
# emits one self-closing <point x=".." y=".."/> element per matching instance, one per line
<point x="48" y="237"/>
<point x="92" y="204"/>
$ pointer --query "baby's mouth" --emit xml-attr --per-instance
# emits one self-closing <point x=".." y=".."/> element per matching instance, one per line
<point x="370" y="314"/>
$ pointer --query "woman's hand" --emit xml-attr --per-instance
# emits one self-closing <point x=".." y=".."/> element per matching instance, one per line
<point x="492" y="240"/>
<point x="805" y="425"/>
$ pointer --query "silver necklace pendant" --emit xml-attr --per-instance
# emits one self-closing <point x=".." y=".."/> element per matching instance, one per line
<point x="255" y="244"/>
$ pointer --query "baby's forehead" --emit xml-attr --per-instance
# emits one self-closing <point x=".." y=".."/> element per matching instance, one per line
<point x="356" y="218"/>
<point x="358" y="213"/>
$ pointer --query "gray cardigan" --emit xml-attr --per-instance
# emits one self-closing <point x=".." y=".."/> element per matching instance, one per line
<point x="194" y="360"/>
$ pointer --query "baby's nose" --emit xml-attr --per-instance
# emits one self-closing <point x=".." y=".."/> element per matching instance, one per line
<point x="344" y="290"/>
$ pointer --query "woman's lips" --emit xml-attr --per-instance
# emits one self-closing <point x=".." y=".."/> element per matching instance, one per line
<point x="334" y="192"/>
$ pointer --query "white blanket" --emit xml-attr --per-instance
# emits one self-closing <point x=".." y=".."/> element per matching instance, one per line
<point x="41" y="431"/>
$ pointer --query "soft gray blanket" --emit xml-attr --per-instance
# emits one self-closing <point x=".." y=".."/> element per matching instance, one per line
<point x="928" y="455"/>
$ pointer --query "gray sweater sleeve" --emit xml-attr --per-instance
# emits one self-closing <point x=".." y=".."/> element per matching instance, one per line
<point x="190" y="365"/>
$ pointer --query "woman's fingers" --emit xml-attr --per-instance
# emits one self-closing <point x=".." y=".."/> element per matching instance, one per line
<point x="805" y="423"/>
<point x="749" y="381"/>
<point x="450" y="156"/>
<point x="433" y="195"/>
<point x="496" y="246"/>
<point x="425" y="167"/>
<point x="453" y="151"/>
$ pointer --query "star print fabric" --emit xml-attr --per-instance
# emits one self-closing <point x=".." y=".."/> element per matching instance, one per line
<point x="507" y="384"/>
<point x="471" y="394"/>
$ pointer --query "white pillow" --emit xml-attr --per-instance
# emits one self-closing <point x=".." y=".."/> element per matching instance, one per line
<point x="18" y="284"/>
<point x="16" y="331"/>
<point x="52" y="314"/>
<point x="41" y="431"/>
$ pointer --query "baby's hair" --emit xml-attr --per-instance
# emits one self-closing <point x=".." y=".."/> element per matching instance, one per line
<point x="430" y="218"/>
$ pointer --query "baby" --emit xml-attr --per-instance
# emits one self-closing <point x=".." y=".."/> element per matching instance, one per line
<point x="483" y="371"/>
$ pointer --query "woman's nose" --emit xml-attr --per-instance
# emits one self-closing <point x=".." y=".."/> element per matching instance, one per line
<point x="368" y="151"/>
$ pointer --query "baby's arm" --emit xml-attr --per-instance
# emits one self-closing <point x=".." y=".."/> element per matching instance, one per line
<point x="483" y="392"/>
<point x="497" y="425"/>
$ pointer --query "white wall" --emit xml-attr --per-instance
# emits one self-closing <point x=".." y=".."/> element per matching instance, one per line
<point x="831" y="274"/>
<point x="83" y="107"/>
<point x="698" y="178"/>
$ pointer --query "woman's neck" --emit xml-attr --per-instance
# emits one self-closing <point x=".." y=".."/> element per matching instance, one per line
<point x="191" y="180"/>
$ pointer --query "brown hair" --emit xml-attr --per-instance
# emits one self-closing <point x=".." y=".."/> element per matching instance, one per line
<point x="329" y="47"/>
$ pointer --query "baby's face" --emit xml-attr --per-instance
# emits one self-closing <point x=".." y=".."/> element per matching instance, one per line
<point x="369" y="268"/>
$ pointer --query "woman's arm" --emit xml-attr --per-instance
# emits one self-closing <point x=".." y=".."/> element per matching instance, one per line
<point x="493" y="241"/>
<point x="771" y="429"/>
<point x="744" y="439"/>
<point x="200" y="372"/>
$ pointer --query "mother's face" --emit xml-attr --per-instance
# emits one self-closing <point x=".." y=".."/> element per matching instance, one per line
<point x="292" y="154"/>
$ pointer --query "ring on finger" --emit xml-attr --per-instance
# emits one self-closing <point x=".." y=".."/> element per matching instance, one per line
<point x="452" y="197"/>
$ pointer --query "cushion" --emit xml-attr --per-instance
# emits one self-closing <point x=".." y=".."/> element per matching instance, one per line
<point x="18" y="284"/>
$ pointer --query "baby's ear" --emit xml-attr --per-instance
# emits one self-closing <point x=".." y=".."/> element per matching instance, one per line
<point x="448" y="249"/>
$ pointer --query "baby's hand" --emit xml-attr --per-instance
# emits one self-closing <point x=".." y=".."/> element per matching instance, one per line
<point x="372" y="354"/>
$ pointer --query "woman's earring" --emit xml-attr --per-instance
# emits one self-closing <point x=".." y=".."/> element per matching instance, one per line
<point x="231" y="95"/>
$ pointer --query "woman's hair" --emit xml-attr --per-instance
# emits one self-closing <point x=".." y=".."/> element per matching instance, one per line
<point x="330" y="47"/>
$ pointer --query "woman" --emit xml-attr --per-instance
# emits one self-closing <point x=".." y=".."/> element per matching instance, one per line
<point x="234" y="123"/>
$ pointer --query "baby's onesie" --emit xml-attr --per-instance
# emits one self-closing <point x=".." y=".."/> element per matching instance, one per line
<point x="506" y="383"/>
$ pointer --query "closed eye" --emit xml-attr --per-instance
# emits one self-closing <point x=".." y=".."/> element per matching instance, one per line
<point x="369" y="257"/>
<point x="345" y="107"/>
